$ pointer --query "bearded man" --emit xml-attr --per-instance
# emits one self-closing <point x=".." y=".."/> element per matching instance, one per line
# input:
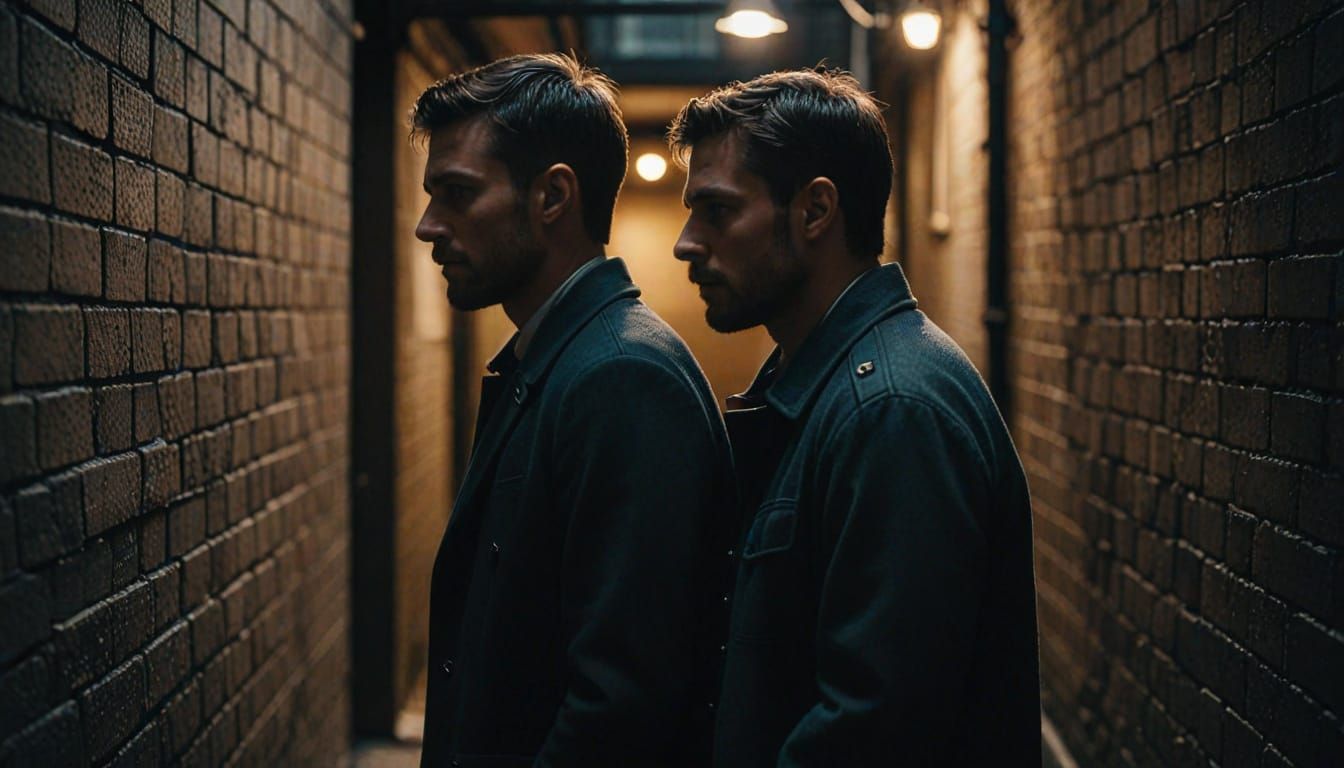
<point x="575" y="588"/>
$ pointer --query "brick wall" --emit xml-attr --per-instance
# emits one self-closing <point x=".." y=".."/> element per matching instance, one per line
<point x="173" y="381"/>
<point x="1178" y="369"/>
<point x="943" y="150"/>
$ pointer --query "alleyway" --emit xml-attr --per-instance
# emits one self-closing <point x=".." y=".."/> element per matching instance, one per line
<point x="235" y="408"/>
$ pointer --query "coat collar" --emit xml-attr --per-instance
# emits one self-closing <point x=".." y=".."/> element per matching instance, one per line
<point x="593" y="291"/>
<point x="879" y="293"/>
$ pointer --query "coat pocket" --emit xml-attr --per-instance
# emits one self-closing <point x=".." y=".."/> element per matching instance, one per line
<point x="771" y="529"/>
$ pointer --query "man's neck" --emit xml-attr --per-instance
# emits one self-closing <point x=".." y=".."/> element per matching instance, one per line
<point x="556" y="267"/>
<point x="791" y="327"/>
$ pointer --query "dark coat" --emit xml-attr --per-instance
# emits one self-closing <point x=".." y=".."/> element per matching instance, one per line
<point x="577" y="586"/>
<point x="884" y="612"/>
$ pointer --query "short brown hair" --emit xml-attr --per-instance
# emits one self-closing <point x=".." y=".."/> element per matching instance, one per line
<point x="799" y="125"/>
<point x="546" y="108"/>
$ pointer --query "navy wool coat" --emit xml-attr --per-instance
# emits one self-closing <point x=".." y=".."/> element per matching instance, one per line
<point x="578" y="586"/>
<point x="884" y="611"/>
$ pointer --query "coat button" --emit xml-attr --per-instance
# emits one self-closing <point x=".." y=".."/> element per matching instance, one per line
<point x="519" y="392"/>
<point x="725" y="598"/>
<point x="494" y="548"/>
<point x="731" y="553"/>
<point x="447" y="667"/>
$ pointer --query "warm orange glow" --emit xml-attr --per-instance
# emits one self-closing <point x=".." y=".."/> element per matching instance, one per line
<point x="751" y="24"/>
<point x="651" y="166"/>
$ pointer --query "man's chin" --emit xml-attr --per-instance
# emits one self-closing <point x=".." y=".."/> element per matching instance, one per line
<point x="469" y="301"/>
<point x="728" y="321"/>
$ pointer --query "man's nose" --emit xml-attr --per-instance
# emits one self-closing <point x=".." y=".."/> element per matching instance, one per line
<point x="430" y="229"/>
<point x="687" y="247"/>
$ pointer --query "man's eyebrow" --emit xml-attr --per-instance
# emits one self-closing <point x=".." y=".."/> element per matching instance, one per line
<point x="445" y="176"/>
<point x="709" y="192"/>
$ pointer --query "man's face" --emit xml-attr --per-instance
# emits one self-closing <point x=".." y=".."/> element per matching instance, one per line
<point x="736" y="239"/>
<point x="476" y="220"/>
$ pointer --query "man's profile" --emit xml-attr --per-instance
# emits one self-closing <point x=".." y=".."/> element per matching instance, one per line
<point x="570" y="593"/>
<point x="884" y="608"/>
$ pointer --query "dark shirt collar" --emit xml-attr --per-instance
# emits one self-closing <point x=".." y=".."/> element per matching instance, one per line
<point x="590" y="292"/>
<point x="878" y="293"/>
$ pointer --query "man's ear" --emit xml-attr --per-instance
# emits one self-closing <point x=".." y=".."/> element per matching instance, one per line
<point x="555" y="191"/>
<point x="816" y="207"/>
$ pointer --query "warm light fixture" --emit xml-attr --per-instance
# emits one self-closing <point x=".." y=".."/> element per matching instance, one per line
<point x="751" y="18"/>
<point x="920" y="24"/>
<point x="650" y="166"/>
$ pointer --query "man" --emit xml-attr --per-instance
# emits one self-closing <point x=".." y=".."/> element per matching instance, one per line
<point x="570" y="603"/>
<point x="884" y="607"/>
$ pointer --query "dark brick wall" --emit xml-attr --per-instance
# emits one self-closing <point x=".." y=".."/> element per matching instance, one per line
<point x="1178" y="364"/>
<point x="174" y="228"/>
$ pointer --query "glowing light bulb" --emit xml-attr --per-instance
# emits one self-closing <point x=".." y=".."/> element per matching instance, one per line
<point x="650" y="166"/>
<point x="751" y="24"/>
<point x="921" y="28"/>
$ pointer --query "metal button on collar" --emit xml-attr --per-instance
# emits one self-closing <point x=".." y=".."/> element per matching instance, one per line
<point x="447" y="667"/>
<point x="865" y="368"/>
<point x="520" y="392"/>
<point x="494" y="548"/>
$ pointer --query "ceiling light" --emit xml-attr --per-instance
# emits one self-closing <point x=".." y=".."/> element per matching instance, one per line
<point x="751" y="18"/>
<point x="650" y="166"/>
<point x="921" y="25"/>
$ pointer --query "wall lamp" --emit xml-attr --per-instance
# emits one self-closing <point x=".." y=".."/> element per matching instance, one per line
<point x="921" y="25"/>
<point x="751" y="18"/>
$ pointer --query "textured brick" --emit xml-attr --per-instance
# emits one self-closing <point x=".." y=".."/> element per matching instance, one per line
<point x="48" y="525"/>
<point x="111" y="491"/>
<point x="109" y="341"/>
<point x="162" y="474"/>
<point x="196" y="329"/>
<point x="113" y="429"/>
<point x="134" y="184"/>
<point x="25" y="604"/>
<point x="81" y="178"/>
<point x="169" y="198"/>
<point x="9" y="61"/>
<point x="112" y="707"/>
<point x="170" y="144"/>
<point x="169" y="70"/>
<point x="197" y="229"/>
<point x="167" y="273"/>
<point x="97" y="27"/>
<point x="18" y="451"/>
<point x="210" y="403"/>
<point x="124" y="264"/>
<point x="132" y="117"/>
<point x="60" y="83"/>
<point x="166" y="583"/>
<point x="168" y="662"/>
<point x="145" y="401"/>
<point x="64" y="427"/>
<point x="49" y="344"/>
<point x="23" y="155"/>
<point x="25" y="694"/>
<point x="56" y="737"/>
<point x="25" y="241"/>
<point x="134" y="51"/>
<point x="1302" y="288"/>
<point x="76" y="259"/>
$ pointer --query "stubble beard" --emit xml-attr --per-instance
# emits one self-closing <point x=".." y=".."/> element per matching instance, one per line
<point x="511" y="262"/>
<point x="772" y="285"/>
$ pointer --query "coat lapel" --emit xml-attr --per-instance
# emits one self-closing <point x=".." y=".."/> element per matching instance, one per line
<point x="505" y="397"/>
<point x="501" y="405"/>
